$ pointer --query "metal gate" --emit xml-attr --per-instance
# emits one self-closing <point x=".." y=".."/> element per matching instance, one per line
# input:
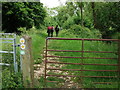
<point x="97" y="70"/>
<point x="8" y="40"/>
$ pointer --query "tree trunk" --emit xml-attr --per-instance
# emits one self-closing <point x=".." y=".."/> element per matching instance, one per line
<point x="81" y="9"/>
<point x="94" y="13"/>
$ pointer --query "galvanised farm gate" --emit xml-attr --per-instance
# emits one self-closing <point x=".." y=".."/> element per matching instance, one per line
<point x="8" y="47"/>
<point x="91" y="65"/>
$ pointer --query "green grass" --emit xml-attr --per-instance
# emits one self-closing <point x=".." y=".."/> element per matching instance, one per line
<point x="38" y="43"/>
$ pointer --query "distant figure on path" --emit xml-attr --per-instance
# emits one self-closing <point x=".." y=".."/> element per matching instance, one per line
<point x="52" y="30"/>
<point x="49" y="30"/>
<point x="57" y="30"/>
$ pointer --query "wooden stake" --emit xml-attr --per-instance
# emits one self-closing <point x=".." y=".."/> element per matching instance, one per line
<point x="27" y="64"/>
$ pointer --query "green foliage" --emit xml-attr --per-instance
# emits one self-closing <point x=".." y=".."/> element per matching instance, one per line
<point x="49" y="21"/>
<point x="101" y="16"/>
<point x="22" y="14"/>
<point x="107" y="18"/>
<point x="116" y="35"/>
<point x="88" y="23"/>
<point x="11" y="80"/>
<point x="62" y="15"/>
<point x="68" y="23"/>
<point x="76" y="20"/>
<point x="83" y="32"/>
<point x="22" y="29"/>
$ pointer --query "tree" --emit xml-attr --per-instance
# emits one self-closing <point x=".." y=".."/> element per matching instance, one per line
<point x="22" y="14"/>
<point x="80" y="6"/>
<point x="94" y="13"/>
<point x="107" y="15"/>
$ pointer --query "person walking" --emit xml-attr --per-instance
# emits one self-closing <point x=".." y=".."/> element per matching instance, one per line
<point x="49" y="31"/>
<point x="57" y="30"/>
<point x="52" y="30"/>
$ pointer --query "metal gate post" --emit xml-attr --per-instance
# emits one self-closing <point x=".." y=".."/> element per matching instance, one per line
<point x="119" y="63"/>
<point x="46" y="60"/>
<point x="14" y="55"/>
<point x="82" y="49"/>
<point x="0" y="65"/>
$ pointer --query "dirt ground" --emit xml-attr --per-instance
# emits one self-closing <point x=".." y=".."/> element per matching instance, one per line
<point x="40" y="71"/>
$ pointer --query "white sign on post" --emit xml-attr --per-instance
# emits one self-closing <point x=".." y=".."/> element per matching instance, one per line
<point x="22" y="52"/>
<point x="22" y="46"/>
<point x="22" y="40"/>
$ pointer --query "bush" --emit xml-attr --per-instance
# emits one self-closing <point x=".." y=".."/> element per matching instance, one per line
<point x="88" y="23"/>
<point x="68" y="23"/>
<point x="77" y="20"/>
<point x="84" y="32"/>
<point x="116" y="35"/>
<point x="11" y="80"/>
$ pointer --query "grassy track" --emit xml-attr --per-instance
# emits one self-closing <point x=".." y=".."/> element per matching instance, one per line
<point x="38" y="43"/>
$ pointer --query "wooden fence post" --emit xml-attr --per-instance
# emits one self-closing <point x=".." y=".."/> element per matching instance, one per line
<point x="27" y="63"/>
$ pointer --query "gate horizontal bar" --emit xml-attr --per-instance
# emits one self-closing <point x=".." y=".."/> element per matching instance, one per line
<point x="83" y="63"/>
<point x="6" y="52"/>
<point x="5" y="64"/>
<point x="81" y="51"/>
<point x="6" y="38"/>
<point x="82" y="76"/>
<point x="6" y="33"/>
<point x="80" y="57"/>
<point x="81" y="39"/>
<point x="81" y="70"/>
<point x="104" y="82"/>
<point x="7" y="42"/>
<point x="92" y="82"/>
<point x="53" y="59"/>
<point x="51" y="81"/>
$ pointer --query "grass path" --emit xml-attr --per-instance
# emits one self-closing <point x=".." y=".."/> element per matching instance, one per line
<point x="75" y="45"/>
<point x="39" y="69"/>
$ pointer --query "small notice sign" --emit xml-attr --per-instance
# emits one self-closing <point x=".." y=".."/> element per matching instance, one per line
<point x="22" y="46"/>
<point x="22" y="52"/>
<point x="22" y="40"/>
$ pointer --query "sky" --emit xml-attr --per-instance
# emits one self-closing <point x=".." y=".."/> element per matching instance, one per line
<point x="52" y="3"/>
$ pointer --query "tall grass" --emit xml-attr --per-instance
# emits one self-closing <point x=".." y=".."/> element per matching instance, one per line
<point x="38" y="43"/>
